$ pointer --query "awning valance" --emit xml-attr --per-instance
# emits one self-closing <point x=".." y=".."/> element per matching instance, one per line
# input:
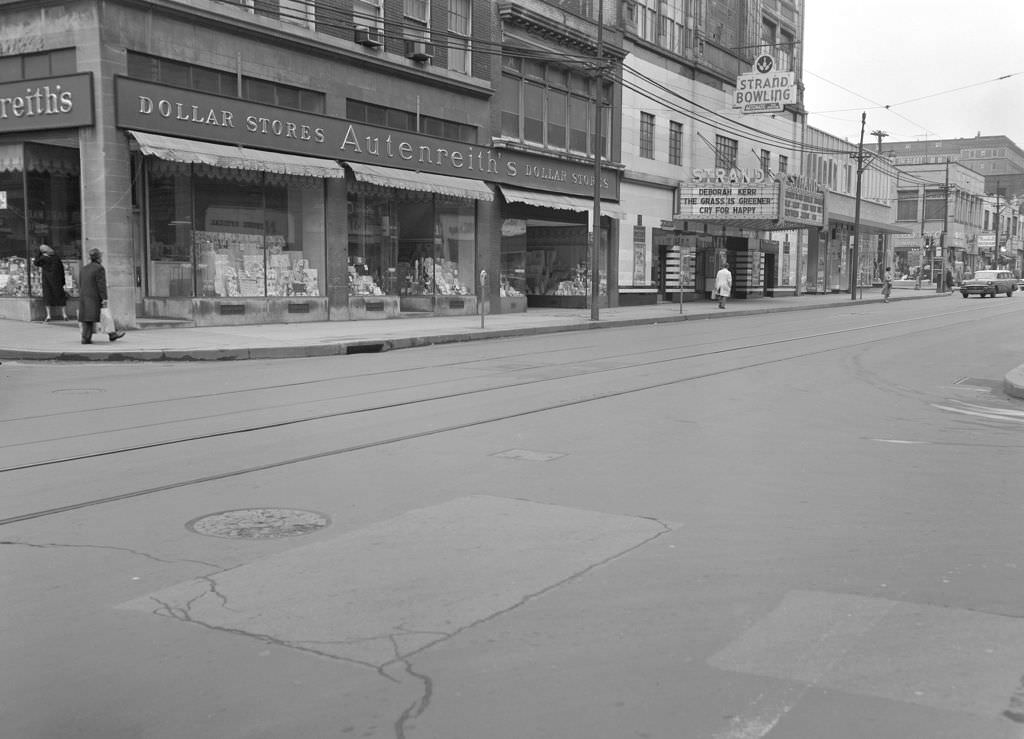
<point x="456" y="187"/>
<point x="869" y="225"/>
<point x="186" y="151"/>
<point x="559" y="202"/>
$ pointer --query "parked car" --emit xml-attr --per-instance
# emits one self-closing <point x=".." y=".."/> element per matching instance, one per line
<point x="989" y="282"/>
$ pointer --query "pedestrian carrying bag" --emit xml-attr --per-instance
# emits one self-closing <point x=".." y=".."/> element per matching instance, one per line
<point x="106" y="323"/>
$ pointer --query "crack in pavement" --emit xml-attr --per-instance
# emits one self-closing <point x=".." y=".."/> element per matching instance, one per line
<point x="54" y="545"/>
<point x="422" y="703"/>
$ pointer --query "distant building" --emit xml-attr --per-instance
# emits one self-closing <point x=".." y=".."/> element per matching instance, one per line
<point x="997" y="158"/>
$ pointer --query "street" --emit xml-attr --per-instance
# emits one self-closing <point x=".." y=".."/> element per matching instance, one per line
<point x="797" y="525"/>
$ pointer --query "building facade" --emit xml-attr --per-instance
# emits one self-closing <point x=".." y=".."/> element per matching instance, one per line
<point x="996" y="158"/>
<point x="832" y="164"/>
<point x="942" y="205"/>
<point x="709" y="178"/>
<point x="294" y="160"/>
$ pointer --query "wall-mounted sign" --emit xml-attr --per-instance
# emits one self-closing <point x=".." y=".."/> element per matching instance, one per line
<point x="153" y="108"/>
<point x="764" y="90"/>
<point x="46" y="103"/>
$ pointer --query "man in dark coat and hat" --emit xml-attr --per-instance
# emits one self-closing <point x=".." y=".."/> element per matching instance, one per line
<point x="92" y="291"/>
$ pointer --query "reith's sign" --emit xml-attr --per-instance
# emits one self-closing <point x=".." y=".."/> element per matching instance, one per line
<point x="52" y="102"/>
<point x="765" y="90"/>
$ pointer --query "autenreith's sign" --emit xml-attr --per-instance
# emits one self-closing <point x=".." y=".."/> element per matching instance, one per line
<point x="46" y="103"/>
<point x="153" y="108"/>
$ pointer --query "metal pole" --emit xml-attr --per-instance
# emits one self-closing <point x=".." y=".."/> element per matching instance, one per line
<point x="940" y="286"/>
<point x="595" y="249"/>
<point x="995" y="253"/>
<point x="855" y="262"/>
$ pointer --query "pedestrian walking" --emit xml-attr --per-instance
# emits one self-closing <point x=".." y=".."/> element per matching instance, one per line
<point x="723" y="285"/>
<point x="92" y="292"/>
<point x="949" y="280"/>
<point x="52" y="268"/>
<point x="887" y="285"/>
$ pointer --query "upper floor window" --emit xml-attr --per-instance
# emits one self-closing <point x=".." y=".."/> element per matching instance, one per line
<point x="783" y="164"/>
<point x="906" y="206"/>
<point x="460" y="28"/>
<point x="551" y="106"/>
<point x="368" y="13"/>
<point x="219" y="82"/>
<point x="766" y="162"/>
<point x="418" y="10"/>
<point x="404" y="120"/>
<point x="675" y="142"/>
<point x="726" y="150"/>
<point x="647" y="136"/>
<point x="32" y="66"/>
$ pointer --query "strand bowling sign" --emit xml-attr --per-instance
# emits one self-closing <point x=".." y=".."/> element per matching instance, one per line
<point x="765" y="90"/>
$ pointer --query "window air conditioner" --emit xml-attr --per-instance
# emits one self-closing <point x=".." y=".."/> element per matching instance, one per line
<point x="371" y="37"/>
<point x="418" y="51"/>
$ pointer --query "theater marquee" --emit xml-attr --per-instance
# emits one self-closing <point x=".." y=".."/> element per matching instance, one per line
<point x="749" y="200"/>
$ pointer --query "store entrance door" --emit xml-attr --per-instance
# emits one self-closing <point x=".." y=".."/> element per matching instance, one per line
<point x="138" y="259"/>
<point x="770" y="280"/>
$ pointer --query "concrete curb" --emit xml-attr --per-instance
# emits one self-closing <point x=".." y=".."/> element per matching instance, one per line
<point x="328" y="349"/>
<point x="1013" y="383"/>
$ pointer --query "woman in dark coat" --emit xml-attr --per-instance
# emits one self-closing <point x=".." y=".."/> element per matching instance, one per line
<point x="53" y="282"/>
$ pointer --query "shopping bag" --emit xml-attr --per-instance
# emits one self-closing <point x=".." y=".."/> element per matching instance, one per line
<point x="106" y="323"/>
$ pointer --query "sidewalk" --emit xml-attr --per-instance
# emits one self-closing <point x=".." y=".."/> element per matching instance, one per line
<point x="61" y="340"/>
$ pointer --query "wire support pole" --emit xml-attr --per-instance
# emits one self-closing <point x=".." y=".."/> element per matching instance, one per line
<point x="855" y="260"/>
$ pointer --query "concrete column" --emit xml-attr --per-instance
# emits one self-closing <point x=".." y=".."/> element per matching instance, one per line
<point x="106" y="177"/>
<point x="336" y="279"/>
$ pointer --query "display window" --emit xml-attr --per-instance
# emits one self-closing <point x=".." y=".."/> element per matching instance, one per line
<point x="216" y="233"/>
<point x="410" y="244"/>
<point x="40" y="203"/>
<point x="550" y="257"/>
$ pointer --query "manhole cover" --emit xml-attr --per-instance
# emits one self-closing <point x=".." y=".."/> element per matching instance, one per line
<point x="259" y="523"/>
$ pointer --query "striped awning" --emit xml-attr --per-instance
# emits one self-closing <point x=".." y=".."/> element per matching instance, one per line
<point x="456" y="187"/>
<point x="186" y="151"/>
<point x="559" y="202"/>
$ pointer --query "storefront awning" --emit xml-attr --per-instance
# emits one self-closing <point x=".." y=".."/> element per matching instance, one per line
<point x="559" y="202"/>
<point x="456" y="187"/>
<point x="866" y="224"/>
<point x="186" y="151"/>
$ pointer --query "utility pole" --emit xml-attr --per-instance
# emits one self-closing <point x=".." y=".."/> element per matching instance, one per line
<point x="995" y="253"/>
<point x="595" y="249"/>
<point x="940" y="284"/>
<point x="879" y="134"/>
<point x="855" y="261"/>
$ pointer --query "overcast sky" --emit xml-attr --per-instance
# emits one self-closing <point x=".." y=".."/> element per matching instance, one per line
<point x="862" y="56"/>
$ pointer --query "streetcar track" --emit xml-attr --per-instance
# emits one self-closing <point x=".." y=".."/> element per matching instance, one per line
<point x="398" y="439"/>
<point x="460" y="363"/>
<point x="390" y="406"/>
<point x="450" y="428"/>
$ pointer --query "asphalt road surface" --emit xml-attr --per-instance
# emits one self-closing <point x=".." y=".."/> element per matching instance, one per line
<point x="797" y="525"/>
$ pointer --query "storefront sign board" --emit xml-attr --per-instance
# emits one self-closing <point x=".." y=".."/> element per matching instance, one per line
<point x="46" y="103"/>
<point x="150" y="107"/>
